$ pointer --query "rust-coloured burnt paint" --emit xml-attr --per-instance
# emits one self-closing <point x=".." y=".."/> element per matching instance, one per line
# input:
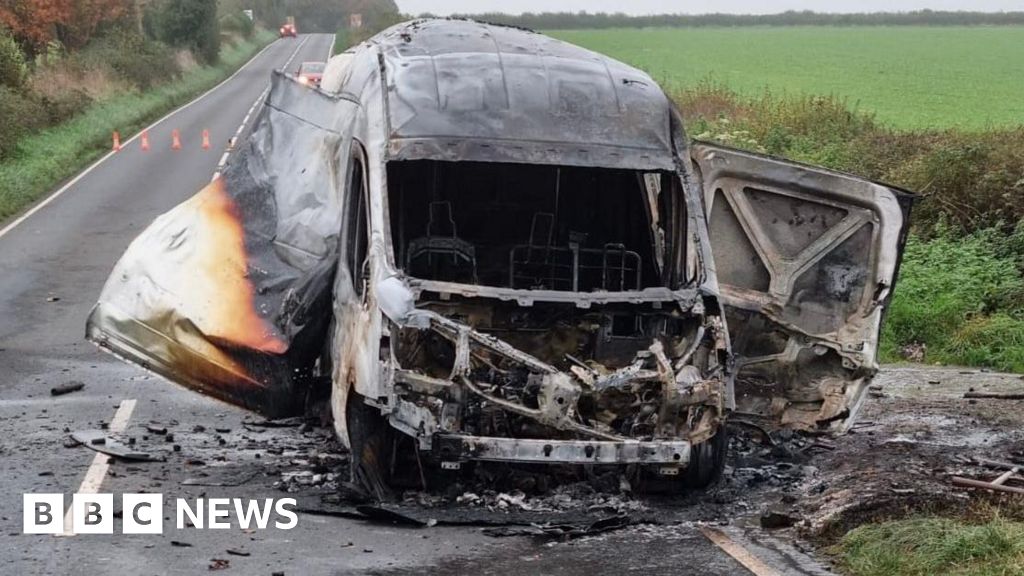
<point x="220" y="283"/>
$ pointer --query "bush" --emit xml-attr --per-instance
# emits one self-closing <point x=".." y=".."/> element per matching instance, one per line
<point x="996" y="341"/>
<point x="188" y="23"/>
<point x="952" y="294"/>
<point x="13" y="70"/>
<point x="238" y="23"/>
<point x="145" y="63"/>
<point x="140" y="62"/>
<point x="19" y="115"/>
<point x="65" y="105"/>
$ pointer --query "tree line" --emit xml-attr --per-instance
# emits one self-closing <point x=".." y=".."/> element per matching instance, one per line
<point x="570" y="20"/>
<point x="66" y="26"/>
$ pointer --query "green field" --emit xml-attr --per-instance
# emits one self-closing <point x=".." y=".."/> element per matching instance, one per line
<point x="909" y="77"/>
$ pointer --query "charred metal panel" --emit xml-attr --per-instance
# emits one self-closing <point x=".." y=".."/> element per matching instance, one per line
<point x="566" y="451"/>
<point x="806" y="259"/>
<point x="226" y="293"/>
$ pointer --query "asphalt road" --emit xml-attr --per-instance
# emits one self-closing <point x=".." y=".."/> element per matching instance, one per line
<point x="52" y="266"/>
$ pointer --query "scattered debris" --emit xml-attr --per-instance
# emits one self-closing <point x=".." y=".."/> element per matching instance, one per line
<point x="237" y="552"/>
<point x="562" y="531"/>
<point x="773" y="519"/>
<point x="914" y="352"/>
<point x="993" y="395"/>
<point x="1000" y="484"/>
<point x="230" y="478"/>
<point x="155" y="429"/>
<point x="99" y="441"/>
<point x="180" y="544"/>
<point x="394" y="515"/>
<point x="73" y="386"/>
<point x="281" y="423"/>
<point x="219" y="564"/>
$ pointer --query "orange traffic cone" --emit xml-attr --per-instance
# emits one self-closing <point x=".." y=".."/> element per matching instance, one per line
<point x="206" y="139"/>
<point x="145" y="140"/>
<point x="117" y="141"/>
<point x="175" y="140"/>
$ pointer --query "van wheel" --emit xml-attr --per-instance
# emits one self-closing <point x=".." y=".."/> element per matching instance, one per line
<point x="707" y="460"/>
<point x="371" y="440"/>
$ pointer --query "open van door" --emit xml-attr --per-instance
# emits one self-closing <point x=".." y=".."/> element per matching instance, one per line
<point x="806" y="260"/>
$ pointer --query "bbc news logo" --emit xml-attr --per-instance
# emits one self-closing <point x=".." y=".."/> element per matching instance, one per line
<point x="144" y="513"/>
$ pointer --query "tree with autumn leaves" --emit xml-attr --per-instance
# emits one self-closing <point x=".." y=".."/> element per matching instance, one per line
<point x="72" y="23"/>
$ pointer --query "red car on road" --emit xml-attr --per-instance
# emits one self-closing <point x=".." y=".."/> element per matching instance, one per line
<point x="310" y="73"/>
<point x="288" y="30"/>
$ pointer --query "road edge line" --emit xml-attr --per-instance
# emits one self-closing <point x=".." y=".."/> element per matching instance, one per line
<point x="42" y="204"/>
<point x="330" y="49"/>
<point x="97" y="471"/>
<point x="737" y="552"/>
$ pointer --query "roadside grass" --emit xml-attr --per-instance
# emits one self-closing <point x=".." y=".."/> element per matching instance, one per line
<point x="961" y="296"/>
<point x="43" y="160"/>
<point x="925" y="546"/>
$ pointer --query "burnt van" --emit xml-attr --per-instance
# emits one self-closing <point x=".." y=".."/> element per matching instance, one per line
<point x="479" y="243"/>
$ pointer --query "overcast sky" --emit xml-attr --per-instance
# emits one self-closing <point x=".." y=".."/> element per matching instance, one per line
<point x="442" y="7"/>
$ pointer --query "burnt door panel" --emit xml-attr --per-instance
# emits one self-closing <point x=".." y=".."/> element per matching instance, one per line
<point x="806" y="259"/>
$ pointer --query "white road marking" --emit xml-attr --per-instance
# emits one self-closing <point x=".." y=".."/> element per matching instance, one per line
<point x="330" y="48"/>
<point x="292" y="57"/>
<point x="231" y="143"/>
<point x="92" y="166"/>
<point x="101" y="462"/>
<point x="739" y="553"/>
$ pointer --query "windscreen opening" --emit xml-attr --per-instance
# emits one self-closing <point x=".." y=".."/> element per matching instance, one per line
<point x="527" y="226"/>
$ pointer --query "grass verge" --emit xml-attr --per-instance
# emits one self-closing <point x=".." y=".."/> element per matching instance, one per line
<point x="929" y="545"/>
<point x="963" y="297"/>
<point x="45" y="159"/>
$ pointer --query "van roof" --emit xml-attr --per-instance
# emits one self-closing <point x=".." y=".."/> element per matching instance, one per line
<point x="460" y="89"/>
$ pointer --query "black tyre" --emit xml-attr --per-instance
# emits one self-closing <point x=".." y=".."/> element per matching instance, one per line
<point x="707" y="460"/>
